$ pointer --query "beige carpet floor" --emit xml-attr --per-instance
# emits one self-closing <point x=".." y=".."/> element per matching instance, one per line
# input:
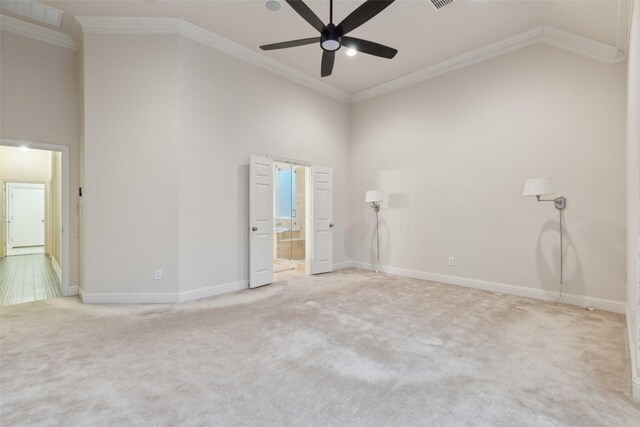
<point x="347" y="348"/>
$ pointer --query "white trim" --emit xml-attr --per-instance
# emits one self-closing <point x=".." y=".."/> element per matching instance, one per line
<point x="150" y="25"/>
<point x="635" y="380"/>
<point x="489" y="51"/>
<point x="623" y="31"/>
<point x="590" y="48"/>
<point x="129" y="297"/>
<point x="56" y="267"/>
<point x="577" y="44"/>
<point x="342" y="265"/>
<point x="579" y="300"/>
<point x="551" y="36"/>
<point x="37" y="32"/>
<point x="584" y="46"/>
<point x="162" y="297"/>
<point x="66" y="288"/>
<point x="31" y="250"/>
<point x="213" y="290"/>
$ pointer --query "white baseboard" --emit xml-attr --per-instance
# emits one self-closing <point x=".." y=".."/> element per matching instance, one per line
<point x="129" y="297"/>
<point x="635" y="380"/>
<point x="579" y="300"/>
<point x="172" y="297"/>
<point x="161" y="297"/>
<point x="31" y="250"/>
<point x="635" y="387"/>
<point x="213" y="290"/>
<point x="341" y="265"/>
<point x="56" y="267"/>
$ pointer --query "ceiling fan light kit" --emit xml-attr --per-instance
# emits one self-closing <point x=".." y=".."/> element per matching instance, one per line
<point x="329" y="40"/>
<point x="333" y="37"/>
<point x="273" y="5"/>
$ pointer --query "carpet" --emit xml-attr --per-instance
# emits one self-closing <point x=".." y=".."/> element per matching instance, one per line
<point x="346" y="348"/>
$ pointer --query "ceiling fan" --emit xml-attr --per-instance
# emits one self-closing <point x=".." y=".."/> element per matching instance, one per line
<point x="333" y="37"/>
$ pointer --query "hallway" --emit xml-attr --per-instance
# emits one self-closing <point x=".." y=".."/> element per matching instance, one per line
<point x="27" y="278"/>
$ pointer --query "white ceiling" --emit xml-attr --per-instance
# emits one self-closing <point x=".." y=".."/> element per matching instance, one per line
<point x="422" y="35"/>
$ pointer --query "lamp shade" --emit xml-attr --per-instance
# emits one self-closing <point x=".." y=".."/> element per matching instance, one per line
<point x="373" y="196"/>
<point x="537" y="187"/>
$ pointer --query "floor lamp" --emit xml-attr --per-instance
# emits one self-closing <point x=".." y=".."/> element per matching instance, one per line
<point x="375" y="198"/>
<point x="542" y="187"/>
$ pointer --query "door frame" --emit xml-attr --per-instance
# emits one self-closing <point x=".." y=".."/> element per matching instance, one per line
<point x="308" y="247"/>
<point x="64" y="208"/>
<point x="8" y="205"/>
<point x="309" y="229"/>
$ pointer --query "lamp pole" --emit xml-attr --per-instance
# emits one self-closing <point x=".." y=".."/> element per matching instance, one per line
<point x="376" y="207"/>
<point x="560" y="203"/>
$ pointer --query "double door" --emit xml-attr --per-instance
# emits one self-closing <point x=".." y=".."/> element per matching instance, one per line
<point x="262" y="216"/>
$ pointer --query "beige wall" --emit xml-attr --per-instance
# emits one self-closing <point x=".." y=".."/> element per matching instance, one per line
<point x="231" y="110"/>
<point x="131" y="163"/>
<point x="166" y="136"/>
<point x="167" y="140"/>
<point x="18" y="166"/>
<point x="39" y="102"/>
<point x="633" y="191"/>
<point x="29" y="166"/>
<point x="451" y="155"/>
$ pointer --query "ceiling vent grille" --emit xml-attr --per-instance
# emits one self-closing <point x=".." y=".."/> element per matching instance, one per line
<point x="34" y="10"/>
<point x="439" y="4"/>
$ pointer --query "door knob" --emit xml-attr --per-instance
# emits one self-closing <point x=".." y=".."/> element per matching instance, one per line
<point x="331" y="225"/>
<point x="254" y="228"/>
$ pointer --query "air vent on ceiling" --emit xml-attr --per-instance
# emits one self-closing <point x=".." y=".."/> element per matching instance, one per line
<point x="34" y="10"/>
<point x="439" y="4"/>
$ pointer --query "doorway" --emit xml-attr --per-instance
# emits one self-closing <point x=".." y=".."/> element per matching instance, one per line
<point x="33" y="245"/>
<point x="277" y="234"/>
<point x="290" y="216"/>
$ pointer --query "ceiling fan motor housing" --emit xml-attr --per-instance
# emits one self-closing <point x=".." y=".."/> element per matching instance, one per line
<point x="330" y="39"/>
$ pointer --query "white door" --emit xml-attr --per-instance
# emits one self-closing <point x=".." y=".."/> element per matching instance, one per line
<point x="25" y="218"/>
<point x="322" y="261"/>
<point x="260" y="221"/>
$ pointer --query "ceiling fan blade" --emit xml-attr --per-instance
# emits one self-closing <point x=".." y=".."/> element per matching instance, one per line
<point x="362" y="14"/>
<point x="291" y="43"/>
<point x="327" y="63"/>
<point x="368" y="47"/>
<point x="308" y="15"/>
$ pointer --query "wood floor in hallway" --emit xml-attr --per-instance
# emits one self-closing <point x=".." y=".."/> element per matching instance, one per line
<point x="27" y="278"/>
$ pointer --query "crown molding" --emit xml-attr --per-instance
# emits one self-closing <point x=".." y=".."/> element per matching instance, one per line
<point x="623" y="31"/>
<point x="178" y="26"/>
<point x="584" y="46"/>
<point x="37" y="32"/>
<point x="489" y="51"/>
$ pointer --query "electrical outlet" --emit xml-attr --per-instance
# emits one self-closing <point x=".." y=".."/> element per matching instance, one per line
<point x="158" y="274"/>
<point x="451" y="261"/>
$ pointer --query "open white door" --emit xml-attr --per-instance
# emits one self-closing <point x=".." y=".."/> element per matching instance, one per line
<point x="260" y="221"/>
<point x="322" y="183"/>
